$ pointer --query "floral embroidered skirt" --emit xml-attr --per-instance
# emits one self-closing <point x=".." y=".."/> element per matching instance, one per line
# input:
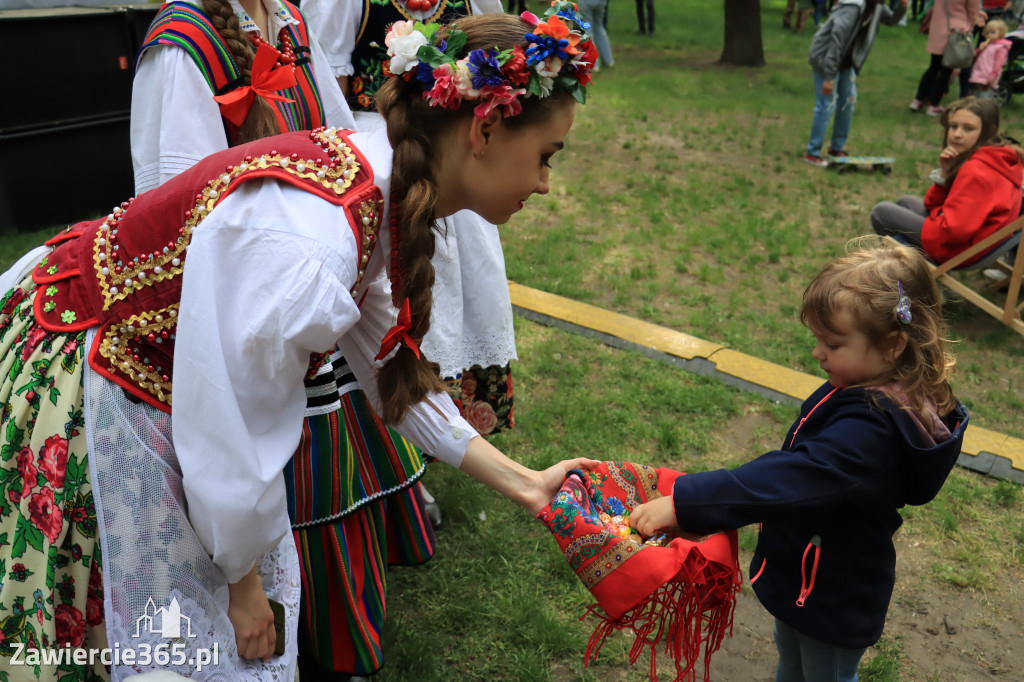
<point x="51" y="591"/>
<point x="485" y="398"/>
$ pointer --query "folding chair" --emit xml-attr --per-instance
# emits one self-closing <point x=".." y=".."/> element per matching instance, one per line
<point x="1003" y="241"/>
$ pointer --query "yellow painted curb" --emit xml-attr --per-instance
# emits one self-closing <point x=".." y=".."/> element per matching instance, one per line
<point x="763" y="373"/>
<point x="620" y="326"/>
<point x="759" y="372"/>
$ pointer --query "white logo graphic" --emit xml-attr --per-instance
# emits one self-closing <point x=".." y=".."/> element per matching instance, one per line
<point x="169" y="619"/>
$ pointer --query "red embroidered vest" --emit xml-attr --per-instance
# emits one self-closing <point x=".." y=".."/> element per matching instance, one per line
<point x="122" y="273"/>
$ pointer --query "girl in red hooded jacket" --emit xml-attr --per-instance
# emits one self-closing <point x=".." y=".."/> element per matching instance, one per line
<point x="976" y="190"/>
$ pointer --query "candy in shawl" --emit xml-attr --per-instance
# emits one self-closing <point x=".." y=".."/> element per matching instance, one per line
<point x="671" y="592"/>
<point x="559" y="55"/>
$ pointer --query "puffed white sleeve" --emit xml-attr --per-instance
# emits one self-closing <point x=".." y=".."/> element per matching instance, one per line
<point x="433" y="425"/>
<point x="263" y="288"/>
<point x="487" y="7"/>
<point x="336" y="110"/>
<point x="336" y="23"/>
<point x="174" y="120"/>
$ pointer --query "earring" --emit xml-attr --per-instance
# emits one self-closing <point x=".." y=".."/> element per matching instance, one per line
<point x="478" y="155"/>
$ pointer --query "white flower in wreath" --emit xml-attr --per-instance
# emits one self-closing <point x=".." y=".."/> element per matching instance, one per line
<point x="403" y="42"/>
<point x="546" y="72"/>
<point x="464" y="80"/>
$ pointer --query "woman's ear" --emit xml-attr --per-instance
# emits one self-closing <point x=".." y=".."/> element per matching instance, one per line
<point x="480" y="131"/>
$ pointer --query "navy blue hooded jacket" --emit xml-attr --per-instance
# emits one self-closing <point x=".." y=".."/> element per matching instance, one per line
<point x="825" y="563"/>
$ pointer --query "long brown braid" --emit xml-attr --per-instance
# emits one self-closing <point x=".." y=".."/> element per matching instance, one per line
<point x="415" y="129"/>
<point x="261" y="121"/>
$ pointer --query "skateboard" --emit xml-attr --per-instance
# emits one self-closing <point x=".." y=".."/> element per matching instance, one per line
<point x="845" y="164"/>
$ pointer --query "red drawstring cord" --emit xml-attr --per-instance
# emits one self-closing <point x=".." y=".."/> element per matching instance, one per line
<point x="803" y="419"/>
<point x="805" y="587"/>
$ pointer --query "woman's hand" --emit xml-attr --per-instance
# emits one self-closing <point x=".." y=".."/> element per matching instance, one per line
<point x="532" y="489"/>
<point x="947" y="158"/>
<point x="655" y="516"/>
<point x="552" y="478"/>
<point x="250" y="614"/>
<point x="827" y="87"/>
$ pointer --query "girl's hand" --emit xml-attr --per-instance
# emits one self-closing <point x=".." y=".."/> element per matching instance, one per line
<point x="250" y="614"/>
<point x="654" y="516"/>
<point x="946" y="160"/>
<point x="827" y="87"/>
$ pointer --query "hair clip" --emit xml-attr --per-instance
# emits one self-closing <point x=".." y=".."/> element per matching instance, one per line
<point x="903" y="313"/>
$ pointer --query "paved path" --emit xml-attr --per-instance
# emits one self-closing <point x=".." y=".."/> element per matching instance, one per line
<point x="984" y="451"/>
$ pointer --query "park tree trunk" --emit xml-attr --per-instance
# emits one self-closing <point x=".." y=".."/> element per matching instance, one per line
<point x="743" y="45"/>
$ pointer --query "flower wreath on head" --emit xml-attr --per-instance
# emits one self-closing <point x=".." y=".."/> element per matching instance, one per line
<point x="559" y="55"/>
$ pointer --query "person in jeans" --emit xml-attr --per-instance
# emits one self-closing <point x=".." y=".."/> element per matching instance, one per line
<point x="595" y="12"/>
<point x="838" y="52"/>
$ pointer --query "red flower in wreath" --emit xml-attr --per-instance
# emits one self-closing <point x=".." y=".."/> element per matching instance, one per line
<point x="590" y="57"/>
<point x="481" y="417"/>
<point x="53" y="460"/>
<point x="515" y="70"/>
<point x="27" y="469"/>
<point x="45" y="515"/>
<point x="70" y="625"/>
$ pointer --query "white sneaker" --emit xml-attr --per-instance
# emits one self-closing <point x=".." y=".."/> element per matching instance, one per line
<point x="994" y="274"/>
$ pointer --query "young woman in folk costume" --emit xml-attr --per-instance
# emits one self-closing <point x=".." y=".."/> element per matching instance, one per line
<point x="195" y="100"/>
<point x="471" y="336"/>
<point x="187" y="296"/>
<point x="197" y="72"/>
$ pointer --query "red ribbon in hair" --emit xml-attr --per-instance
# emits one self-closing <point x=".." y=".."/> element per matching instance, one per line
<point x="399" y="334"/>
<point x="266" y="81"/>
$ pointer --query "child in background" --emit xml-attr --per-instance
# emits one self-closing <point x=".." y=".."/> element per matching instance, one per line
<point x="975" y="191"/>
<point x="884" y="431"/>
<point x="989" y="59"/>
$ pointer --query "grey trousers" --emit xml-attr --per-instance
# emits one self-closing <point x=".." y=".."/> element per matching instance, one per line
<point x="904" y="218"/>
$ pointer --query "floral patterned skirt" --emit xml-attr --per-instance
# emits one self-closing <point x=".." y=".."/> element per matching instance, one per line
<point x="485" y="397"/>
<point x="51" y="591"/>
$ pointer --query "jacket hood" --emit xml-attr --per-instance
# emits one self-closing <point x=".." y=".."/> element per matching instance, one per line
<point x="925" y="468"/>
<point x="1002" y="160"/>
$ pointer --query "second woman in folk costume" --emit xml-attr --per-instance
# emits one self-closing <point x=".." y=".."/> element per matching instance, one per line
<point x="207" y="68"/>
<point x="471" y="336"/>
<point x="186" y="296"/>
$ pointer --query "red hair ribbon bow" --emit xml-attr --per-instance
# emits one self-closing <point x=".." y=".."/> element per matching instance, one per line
<point x="266" y="81"/>
<point x="399" y="334"/>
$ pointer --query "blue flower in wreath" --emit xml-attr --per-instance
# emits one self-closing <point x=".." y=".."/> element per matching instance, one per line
<point x="574" y="17"/>
<point x="425" y="74"/>
<point x="485" y="69"/>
